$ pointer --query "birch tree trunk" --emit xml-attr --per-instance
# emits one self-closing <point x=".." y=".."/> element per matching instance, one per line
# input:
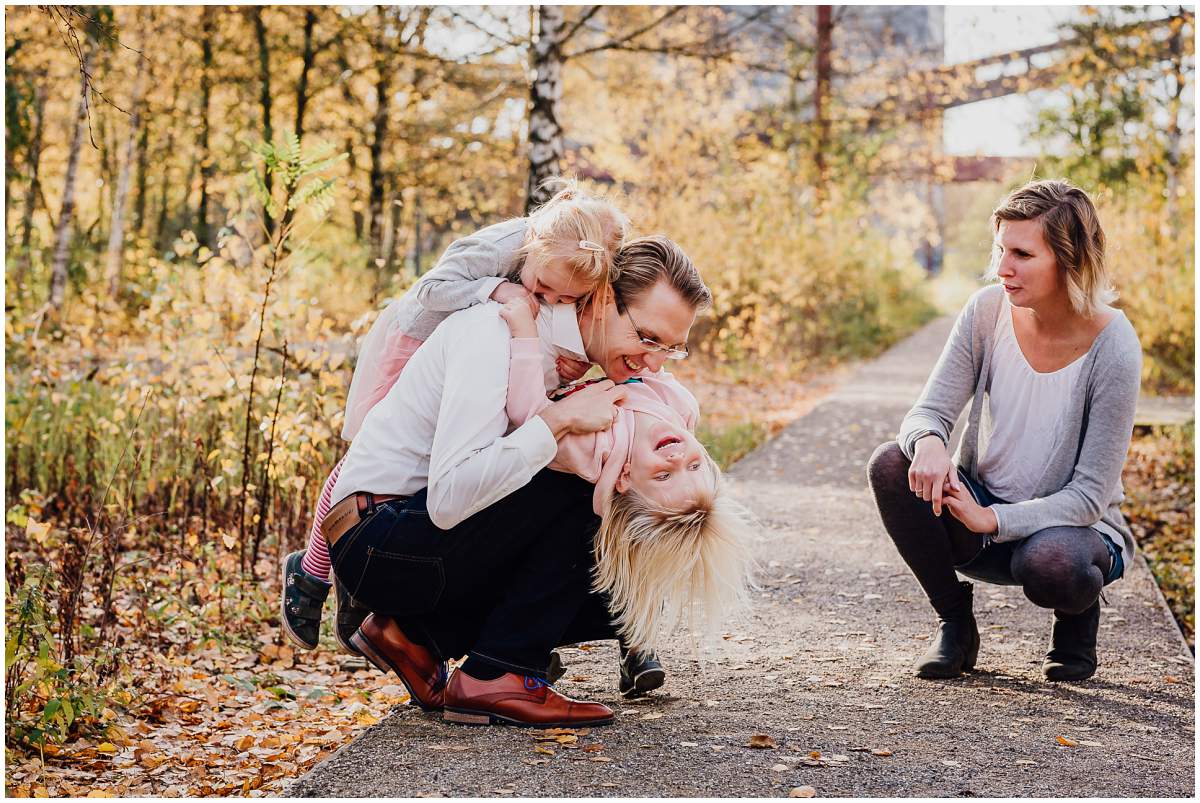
<point x="116" y="233"/>
<point x="545" y="133"/>
<point x="62" y="233"/>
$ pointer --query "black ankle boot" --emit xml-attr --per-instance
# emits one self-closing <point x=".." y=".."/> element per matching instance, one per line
<point x="955" y="645"/>
<point x="1072" y="653"/>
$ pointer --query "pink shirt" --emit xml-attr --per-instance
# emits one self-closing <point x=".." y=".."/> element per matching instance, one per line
<point x="597" y="457"/>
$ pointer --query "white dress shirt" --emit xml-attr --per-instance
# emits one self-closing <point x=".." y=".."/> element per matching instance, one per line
<point x="443" y="424"/>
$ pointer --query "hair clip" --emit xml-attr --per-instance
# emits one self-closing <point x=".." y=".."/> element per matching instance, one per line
<point x="588" y="245"/>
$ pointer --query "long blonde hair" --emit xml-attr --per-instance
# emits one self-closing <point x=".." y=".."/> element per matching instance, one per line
<point x="581" y="230"/>
<point x="659" y="566"/>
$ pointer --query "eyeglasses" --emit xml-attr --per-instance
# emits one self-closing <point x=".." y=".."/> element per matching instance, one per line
<point x="677" y="352"/>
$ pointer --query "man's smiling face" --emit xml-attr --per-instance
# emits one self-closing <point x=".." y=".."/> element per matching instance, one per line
<point x="613" y="341"/>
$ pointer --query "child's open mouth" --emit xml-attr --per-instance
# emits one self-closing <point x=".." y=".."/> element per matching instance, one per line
<point x="667" y="441"/>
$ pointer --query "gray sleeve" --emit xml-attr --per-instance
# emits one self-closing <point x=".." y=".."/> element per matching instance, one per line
<point x="1108" y="427"/>
<point x="466" y="274"/>
<point x="948" y="389"/>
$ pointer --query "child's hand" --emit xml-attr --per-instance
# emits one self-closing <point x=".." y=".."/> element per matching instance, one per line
<point x="569" y="370"/>
<point x="517" y="315"/>
<point x="507" y="291"/>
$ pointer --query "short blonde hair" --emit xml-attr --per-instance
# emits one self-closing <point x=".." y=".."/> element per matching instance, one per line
<point x="1072" y="229"/>
<point x="560" y="228"/>
<point x="658" y="566"/>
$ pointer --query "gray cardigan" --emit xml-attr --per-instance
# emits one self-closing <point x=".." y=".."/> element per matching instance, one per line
<point x="1081" y="483"/>
<point x="465" y="275"/>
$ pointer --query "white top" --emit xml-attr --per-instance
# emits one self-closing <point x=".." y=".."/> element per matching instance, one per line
<point x="1024" y="409"/>
<point x="443" y="424"/>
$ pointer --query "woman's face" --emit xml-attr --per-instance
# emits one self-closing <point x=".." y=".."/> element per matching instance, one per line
<point x="667" y="465"/>
<point x="1027" y="265"/>
<point x="554" y="282"/>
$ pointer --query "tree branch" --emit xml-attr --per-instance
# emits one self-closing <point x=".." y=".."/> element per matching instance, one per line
<point x="621" y="43"/>
<point x="579" y="23"/>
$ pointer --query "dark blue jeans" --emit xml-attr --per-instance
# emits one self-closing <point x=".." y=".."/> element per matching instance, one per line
<point x="994" y="562"/>
<point x="504" y="586"/>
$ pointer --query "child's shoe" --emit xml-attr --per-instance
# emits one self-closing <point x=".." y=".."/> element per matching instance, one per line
<point x="301" y="602"/>
<point x="640" y="673"/>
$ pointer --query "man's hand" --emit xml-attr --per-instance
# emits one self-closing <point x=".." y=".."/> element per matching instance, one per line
<point x="592" y="409"/>
<point x="519" y="318"/>
<point x="508" y="291"/>
<point x="569" y="370"/>
<point x="931" y="472"/>
<point x="964" y="508"/>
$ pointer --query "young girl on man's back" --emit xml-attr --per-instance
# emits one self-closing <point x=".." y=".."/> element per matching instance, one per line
<point x="562" y="251"/>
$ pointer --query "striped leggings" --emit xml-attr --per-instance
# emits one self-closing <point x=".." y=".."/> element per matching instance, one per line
<point x="316" y="556"/>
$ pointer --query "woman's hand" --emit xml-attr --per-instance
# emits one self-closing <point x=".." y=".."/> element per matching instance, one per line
<point x="509" y="291"/>
<point x="519" y="318"/>
<point x="569" y="370"/>
<point x="589" y="410"/>
<point x="963" y="507"/>
<point x="931" y="473"/>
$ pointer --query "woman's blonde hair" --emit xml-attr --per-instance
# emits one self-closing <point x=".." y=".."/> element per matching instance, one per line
<point x="576" y="228"/>
<point x="658" y="566"/>
<point x="1072" y="229"/>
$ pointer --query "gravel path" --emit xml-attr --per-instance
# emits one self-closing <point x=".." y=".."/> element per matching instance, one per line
<point x="819" y="672"/>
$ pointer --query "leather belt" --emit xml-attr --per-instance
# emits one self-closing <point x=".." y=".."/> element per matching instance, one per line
<point x="343" y="516"/>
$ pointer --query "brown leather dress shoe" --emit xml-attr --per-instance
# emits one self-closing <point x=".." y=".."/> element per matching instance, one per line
<point x="383" y="643"/>
<point x="517" y="700"/>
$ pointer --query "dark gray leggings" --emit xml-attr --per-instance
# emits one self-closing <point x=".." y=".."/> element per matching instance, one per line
<point x="1062" y="568"/>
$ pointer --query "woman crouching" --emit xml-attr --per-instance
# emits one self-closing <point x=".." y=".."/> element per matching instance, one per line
<point x="1033" y="493"/>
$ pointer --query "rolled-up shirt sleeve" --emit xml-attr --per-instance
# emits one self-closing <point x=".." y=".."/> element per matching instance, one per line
<point x="472" y="462"/>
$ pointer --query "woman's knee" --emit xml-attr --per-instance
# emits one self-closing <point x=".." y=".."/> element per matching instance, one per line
<point x="1057" y="569"/>
<point x="887" y="466"/>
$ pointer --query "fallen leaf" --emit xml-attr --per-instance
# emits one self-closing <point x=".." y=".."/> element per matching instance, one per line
<point x="654" y="715"/>
<point x="762" y="741"/>
<point x="779" y="768"/>
<point x="568" y="739"/>
<point x="106" y="747"/>
<point x="951" y="763"/>
<point x="1172" y="679"/>
<point x="601" y="759"/>
<point x="593" y="748"/>
<point x="884" y="753"/>
<point x="1026" y="762"/>
<point x="1090" y="743"/>
<point x="365" y="718"/>
<point x="1065" y="742"/>
<point x="689" y="744"/>
<point x="802" y="791"/>
<point x="546" y="751"/>
<point x="245" y="743"/>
